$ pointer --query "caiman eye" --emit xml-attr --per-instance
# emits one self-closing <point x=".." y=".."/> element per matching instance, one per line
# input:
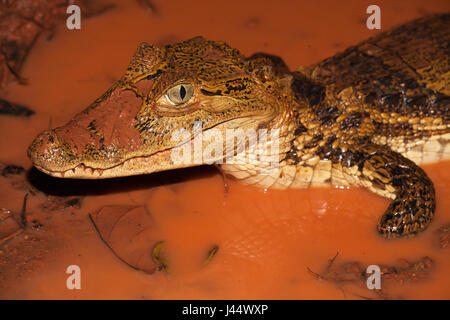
<point x="180" y="94"/>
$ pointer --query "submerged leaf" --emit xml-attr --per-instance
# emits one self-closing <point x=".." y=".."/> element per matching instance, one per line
<point x="131" y="234"/>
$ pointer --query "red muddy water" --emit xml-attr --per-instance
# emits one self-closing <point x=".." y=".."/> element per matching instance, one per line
<point x="271" y="245"/>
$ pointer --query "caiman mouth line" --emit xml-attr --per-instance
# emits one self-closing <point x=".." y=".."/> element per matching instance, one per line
<point x="159" y="161"/>
<point x="133" y="166"/>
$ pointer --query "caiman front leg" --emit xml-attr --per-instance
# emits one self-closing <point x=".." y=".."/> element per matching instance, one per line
<point x="389" y="174"/>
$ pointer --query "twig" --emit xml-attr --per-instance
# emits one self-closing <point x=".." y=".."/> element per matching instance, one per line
<point x="23" y="213"/>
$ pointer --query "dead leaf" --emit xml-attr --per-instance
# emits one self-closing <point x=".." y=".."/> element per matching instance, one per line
<point x="130" y="232"/>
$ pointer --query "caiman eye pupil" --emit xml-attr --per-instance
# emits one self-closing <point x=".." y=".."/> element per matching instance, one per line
<point x="182" y="92"/>
<point x="179" y="94"/>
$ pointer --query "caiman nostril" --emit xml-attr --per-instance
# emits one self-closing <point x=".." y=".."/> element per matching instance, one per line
<point x="42" y="144"/>
<point x="50" y="138"/>
<point x="45" y="139"/>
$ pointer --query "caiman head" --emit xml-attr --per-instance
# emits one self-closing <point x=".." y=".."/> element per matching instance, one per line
<point x="130" y="129"/>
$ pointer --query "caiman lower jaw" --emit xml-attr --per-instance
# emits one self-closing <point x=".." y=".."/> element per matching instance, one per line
<point x="160" y="161"/>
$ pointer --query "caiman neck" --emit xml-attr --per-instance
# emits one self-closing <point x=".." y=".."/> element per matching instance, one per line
<point x="262" y="165"/>
<point x="297" y="124"/>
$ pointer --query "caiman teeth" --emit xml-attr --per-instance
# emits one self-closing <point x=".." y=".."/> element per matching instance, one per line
<point x="132" y="166"/>
<point x="86" y="169"/>
<point x="81" y="168"/>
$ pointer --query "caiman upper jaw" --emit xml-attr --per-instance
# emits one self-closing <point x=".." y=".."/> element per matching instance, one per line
<point x="56" y="158"/>
<point x="100" y="142"/>
<point x="100" y="137"/>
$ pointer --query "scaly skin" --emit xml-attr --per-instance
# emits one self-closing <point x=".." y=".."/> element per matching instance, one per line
<point x="366" y="117"/>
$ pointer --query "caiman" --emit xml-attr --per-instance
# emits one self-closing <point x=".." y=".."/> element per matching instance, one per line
<point x="368" y="116"/>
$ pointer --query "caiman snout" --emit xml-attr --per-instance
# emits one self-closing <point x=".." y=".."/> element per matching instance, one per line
<point x="100" y="136"/>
